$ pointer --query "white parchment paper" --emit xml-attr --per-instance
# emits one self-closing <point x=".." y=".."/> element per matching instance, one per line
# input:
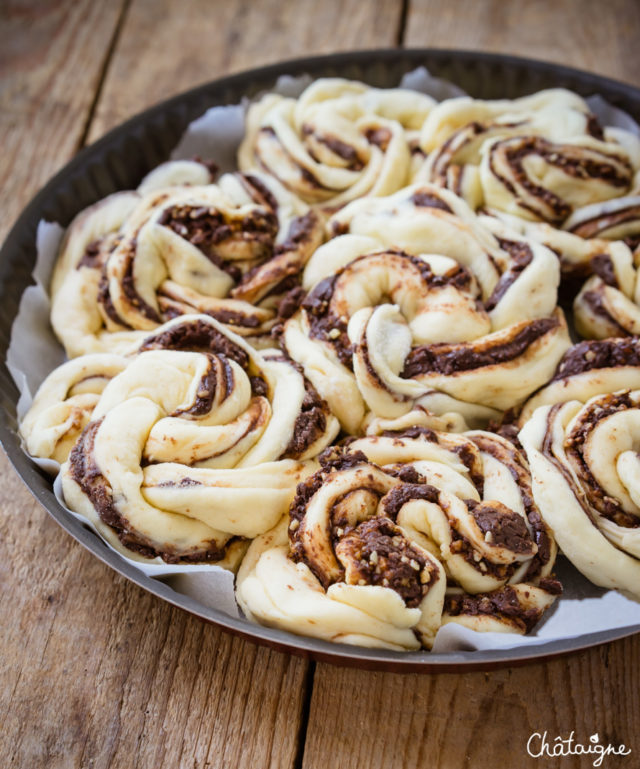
<point x="583" y="608"/>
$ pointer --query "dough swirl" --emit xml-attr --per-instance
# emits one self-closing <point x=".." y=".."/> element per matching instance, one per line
<point x="584" y="462"/>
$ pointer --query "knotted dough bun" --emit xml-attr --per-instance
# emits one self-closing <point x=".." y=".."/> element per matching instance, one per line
<point x="133" y="261"/>
<point x="189" y="451"/>
<point x="338" y="141"/>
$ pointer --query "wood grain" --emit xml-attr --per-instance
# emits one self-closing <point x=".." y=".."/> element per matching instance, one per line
<point x="51" y="60"/>
<point x="477" y="720"/>
<point x="589" y="34"/>
<point x="169" y="46"/>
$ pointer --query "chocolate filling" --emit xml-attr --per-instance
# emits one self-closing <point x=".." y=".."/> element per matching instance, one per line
<point x="591" y="228"/>
<point x="395" y="500"/>
<point x="339" y="148"/>
<point x="95" y="486"/>
<point x="379" y="136"/>
<point x="130" y="291"/>
<point x="206" y="229"/>
<point x="514" y="460"/>
<point x="506" y="527"/>
<point x="597" y="354"/>
<point x="196" y="336"/>
<point x="608" y="507"/>
<point x="602" y="265"/>
<point x="427" y="200"/>
<point x="376" y="553"/>
<point x="521" y="256"/>
<point x="594" y="301"/>
<point x="259" y="192"/>
<point x="92" y="256"/>
<point x="447" y="359"/>
<point x="502" y="604"/>
<point x="310" y="423"/>
<point x="104" y="300"/>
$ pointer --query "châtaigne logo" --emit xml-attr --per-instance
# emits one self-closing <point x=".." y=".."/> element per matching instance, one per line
<point x="543" y="746"/>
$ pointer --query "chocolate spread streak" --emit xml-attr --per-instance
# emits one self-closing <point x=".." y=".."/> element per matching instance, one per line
<point x="129" y="287"/>
<point x="549" y="454"/>
<point x="339" y="148"/>
<point x="196" y="336"/>
<point x="376" y="552"/>
<point x="598" y="354"/>
<point x="395" y="500"/>
<point x="514" y="460"/>
<point x="92" y="256"/>
<point x="427" y="200"/>
<point x="305" y="174"/>
<point x="608" y="507"/>
<point x="591" y="228"/>
<point x="380" y="137"/>
<point x="291" y="303"/>
<point x="594" y="301"/>
<point x="206" y="229"/>
<point x="449" y="359"/>
<point x="95" y="486"/>
<point x="566" y="157"/>
<point x="104" y="300"/>
<point x="211" y="384"/>
<point x="602" y="265"/>
<point x="299" y="233"/>
<point x="502" y="604"/>
<point x="507" y="527"/>
<point x="521" y="256"/>
<point x="310" y="423"/>
<point x="594" y="128"/>
<point x="259" y="192"/>
<point x="321" y="322"/>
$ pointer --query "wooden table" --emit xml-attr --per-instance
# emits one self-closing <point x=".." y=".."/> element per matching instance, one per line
<point x="97" y="673"/>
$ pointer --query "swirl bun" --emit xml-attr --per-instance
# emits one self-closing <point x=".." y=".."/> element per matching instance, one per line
<point x="584" y="463"/>
<point x="538" y="157"/>
<point x="340" y="140"/>
<point x="346" y="572"/>
<point x="382" y="329"/>
<point x="475" y="511"/>
<point x="229" y="250"/>
<point x="187" y="451"/>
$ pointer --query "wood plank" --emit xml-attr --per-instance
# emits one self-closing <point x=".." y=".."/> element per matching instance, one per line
<point x="167" y="46"/>
<point x="51" y="59"/>
<point x="589" y="34"/>
<point x="94" y="671"/>
<point x="476" y="720"/>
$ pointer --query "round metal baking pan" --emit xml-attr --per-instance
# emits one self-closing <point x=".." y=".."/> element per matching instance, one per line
<point x="121" y="158"/>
